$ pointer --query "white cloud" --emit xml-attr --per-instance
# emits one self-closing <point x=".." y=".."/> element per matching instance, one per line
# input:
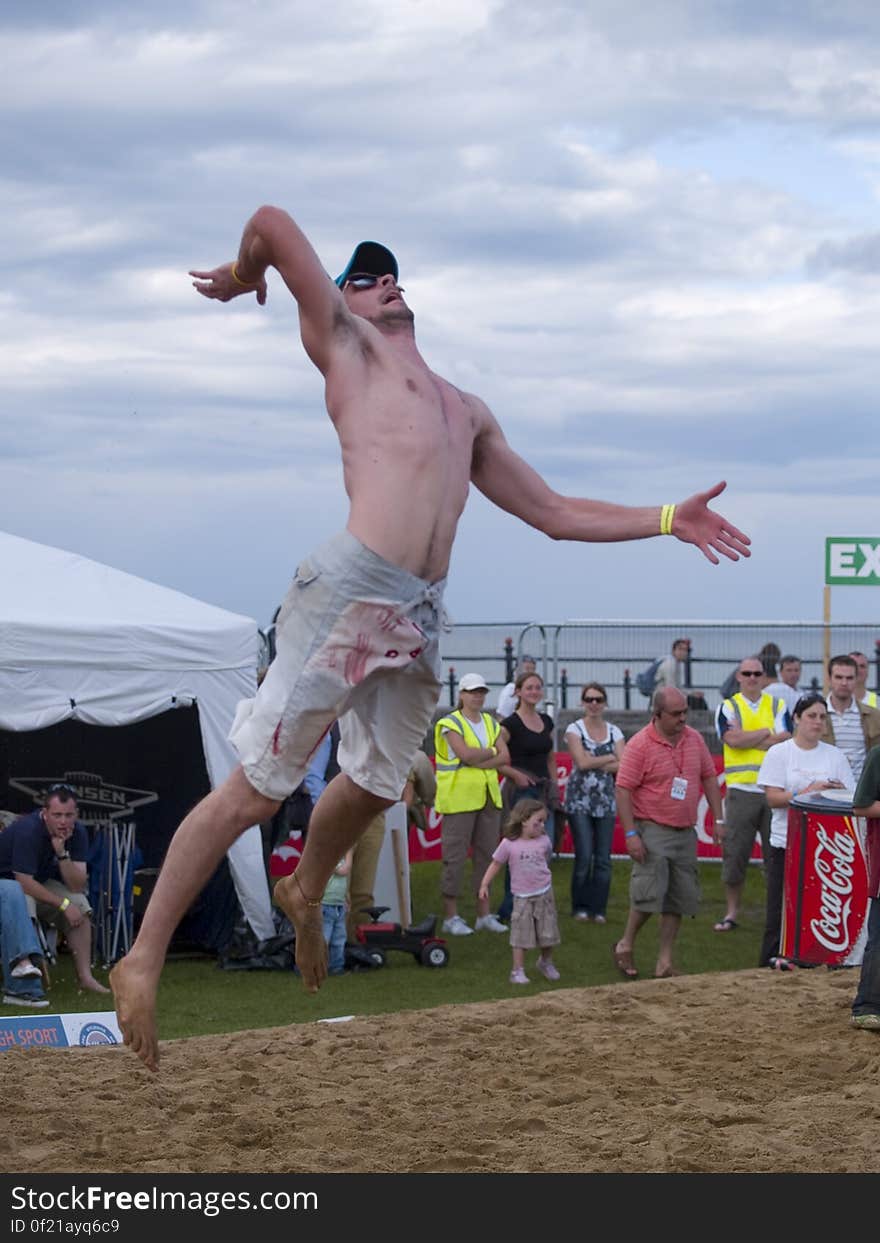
<point x="643" y="323"/>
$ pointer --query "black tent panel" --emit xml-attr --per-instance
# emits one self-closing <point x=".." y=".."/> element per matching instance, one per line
<point x="149" y="773"/>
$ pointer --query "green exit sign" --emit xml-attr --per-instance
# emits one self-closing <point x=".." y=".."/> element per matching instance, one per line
<point x="852" y="561"/>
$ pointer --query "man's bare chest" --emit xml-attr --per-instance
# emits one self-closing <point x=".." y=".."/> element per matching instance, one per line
<point x="408" y="404"/>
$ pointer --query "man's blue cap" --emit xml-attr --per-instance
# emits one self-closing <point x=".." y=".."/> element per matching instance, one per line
<point x="371" y="258"/>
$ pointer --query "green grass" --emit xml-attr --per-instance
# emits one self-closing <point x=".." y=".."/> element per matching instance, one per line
<point x="197" y="998"/>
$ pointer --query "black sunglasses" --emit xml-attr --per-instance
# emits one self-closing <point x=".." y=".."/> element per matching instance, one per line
<point x="752" y="673"/>
<point x="593" y="699"/>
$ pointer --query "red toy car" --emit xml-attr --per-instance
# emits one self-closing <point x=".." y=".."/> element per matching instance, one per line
<point x="418" y="939"/>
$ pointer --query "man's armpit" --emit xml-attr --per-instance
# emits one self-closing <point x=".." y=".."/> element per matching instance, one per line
<point x="348" y="332"/>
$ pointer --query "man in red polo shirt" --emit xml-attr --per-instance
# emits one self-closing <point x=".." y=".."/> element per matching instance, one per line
<point x="665" y="769"/>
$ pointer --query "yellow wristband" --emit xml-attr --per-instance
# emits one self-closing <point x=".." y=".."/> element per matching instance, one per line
<point x="667" y="513"/>
<point x="65" y="903"/>
<point x="237" y="278"/>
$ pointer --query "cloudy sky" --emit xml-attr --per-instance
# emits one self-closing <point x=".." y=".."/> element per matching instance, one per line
<point x="645" y="234"/>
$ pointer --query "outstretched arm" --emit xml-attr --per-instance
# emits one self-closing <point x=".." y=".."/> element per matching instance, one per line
<point x="271" y="238"/>
<point x="512" y="484"/>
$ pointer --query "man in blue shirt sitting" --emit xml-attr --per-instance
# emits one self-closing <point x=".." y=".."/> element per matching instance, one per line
<point x="46" y="853"/>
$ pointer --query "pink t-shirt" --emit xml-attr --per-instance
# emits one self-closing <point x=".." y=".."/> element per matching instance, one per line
<point x="527" y="859"/>
<point x="651" y="764"/>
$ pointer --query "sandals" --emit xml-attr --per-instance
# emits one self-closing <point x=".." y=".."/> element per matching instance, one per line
<point x="623" y="961"/>
<point x="726" y="924"/>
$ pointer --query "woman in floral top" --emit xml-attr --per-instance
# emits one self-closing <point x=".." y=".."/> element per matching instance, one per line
<point x="596" y="747"/>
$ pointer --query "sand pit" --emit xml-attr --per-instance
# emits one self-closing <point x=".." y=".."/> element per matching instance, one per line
<point x="743" y="1071"/>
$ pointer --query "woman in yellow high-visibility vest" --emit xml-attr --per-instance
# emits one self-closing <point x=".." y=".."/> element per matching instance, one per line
<point x="469" y="750"/>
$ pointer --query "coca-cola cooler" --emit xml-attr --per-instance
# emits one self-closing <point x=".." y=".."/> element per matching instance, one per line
<point x="825" y="907"/>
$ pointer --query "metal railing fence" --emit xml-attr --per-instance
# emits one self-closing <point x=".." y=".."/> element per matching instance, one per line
<point x="613" y="651"/>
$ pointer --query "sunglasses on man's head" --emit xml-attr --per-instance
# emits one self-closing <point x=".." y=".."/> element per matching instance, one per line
<point x="60" y="786"/>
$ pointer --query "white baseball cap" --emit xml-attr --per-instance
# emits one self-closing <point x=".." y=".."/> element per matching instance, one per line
<point x="473" y="682"/>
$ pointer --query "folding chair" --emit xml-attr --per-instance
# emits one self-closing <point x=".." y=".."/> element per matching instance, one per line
<point x="111" y="877"/>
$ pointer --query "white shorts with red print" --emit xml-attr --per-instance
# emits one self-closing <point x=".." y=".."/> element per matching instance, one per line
<point x="358" y="641"/>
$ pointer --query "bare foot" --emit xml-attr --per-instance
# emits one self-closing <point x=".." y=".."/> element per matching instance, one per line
<point x="134" y="995"/>
<point x="311" y="948"/>
<point x="624" y="961"/>
<point x="91" y="985"/>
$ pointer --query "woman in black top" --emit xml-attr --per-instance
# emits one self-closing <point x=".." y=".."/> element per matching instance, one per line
<point x="529" y="737"/>
<point x="531" y="773"/>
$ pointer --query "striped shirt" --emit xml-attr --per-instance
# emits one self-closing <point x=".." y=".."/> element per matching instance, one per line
<point x="849" y="735"/>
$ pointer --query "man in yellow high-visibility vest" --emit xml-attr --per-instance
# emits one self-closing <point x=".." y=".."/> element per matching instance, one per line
<point x="748" y="724"/>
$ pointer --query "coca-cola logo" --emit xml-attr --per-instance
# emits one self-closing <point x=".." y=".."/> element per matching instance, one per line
<point x="833" y="864"/>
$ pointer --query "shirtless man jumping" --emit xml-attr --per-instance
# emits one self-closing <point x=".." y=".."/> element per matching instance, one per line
<point x="358" y="635"/>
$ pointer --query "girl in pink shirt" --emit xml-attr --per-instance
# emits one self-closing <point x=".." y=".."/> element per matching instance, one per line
<point x="526" y="848"/>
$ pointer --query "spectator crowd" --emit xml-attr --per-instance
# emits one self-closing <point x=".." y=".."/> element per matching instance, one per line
<point x="495" y="783"/>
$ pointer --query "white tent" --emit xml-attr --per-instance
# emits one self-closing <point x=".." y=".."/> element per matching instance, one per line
<point x="81" y="640"/>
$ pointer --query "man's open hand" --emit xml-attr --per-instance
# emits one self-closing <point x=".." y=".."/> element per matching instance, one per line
<point x="695" y="523"/>
<point x="222" y="285"/>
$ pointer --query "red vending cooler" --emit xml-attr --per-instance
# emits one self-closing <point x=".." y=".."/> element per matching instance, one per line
<point x="825" y="906"/>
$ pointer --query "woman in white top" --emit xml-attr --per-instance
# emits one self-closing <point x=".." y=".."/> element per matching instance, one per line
<point x="799" y="765"/>
<point x="596" y="747"/>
